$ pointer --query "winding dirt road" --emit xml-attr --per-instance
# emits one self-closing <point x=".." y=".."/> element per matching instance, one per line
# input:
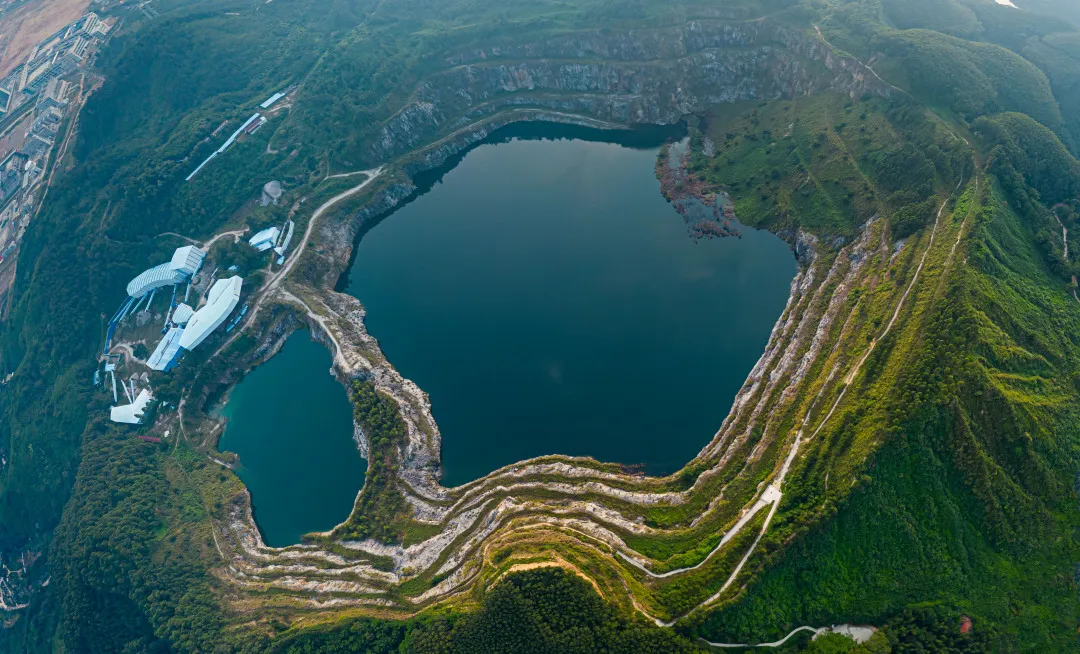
<point x="272" y="284"/>
<point x="275" y="280"/>
<point x="773" y="494"/>
<point x="236" y="234"/>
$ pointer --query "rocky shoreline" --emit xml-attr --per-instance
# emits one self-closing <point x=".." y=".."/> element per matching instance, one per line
<point x="707" y="213"/>
<point x="594" y="512"/>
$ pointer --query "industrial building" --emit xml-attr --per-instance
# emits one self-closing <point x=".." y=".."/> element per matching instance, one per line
<point x="185" y="328"/>
<point x="57" y="55"/>
<point x="184" y="264"/>
<point x="56" y="92"/>
<point x="223" y="298"/>
<point x="182" y="314"/>
<point x="265" y="239"/>
<point x="132" y="414"/>
<point x="284" y="244"/>
<point x="269" y="102"/>
<point x="189" y="328"/>
<point x="224" y="146"/>
<point x="255" y="126"/>
<point x="274" y="237"/>
<point x="167" y="351"/>
<point x="11" y="177"/>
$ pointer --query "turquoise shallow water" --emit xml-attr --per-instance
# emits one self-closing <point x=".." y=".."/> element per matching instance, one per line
<point x="549" y="300"/>
<point x="291" y="423"/>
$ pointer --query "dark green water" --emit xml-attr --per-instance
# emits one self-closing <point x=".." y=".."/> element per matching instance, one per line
<point x="291" y="423"/>
<point x="549" y="300"/>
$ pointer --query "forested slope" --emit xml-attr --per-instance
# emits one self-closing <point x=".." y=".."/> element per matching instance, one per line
<point x="965" y="502"/>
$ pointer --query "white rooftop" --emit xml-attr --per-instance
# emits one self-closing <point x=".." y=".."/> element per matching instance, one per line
<point x="166" y="351"/>
<point x="265" y="239"/>
<point x="223" y="298"/>
<point x="271" y="100"/>
<point x="154" y="278"/>
<point x="182" y="314"/>
<point x="185" y="261"/>
<point x="132" y="414"/>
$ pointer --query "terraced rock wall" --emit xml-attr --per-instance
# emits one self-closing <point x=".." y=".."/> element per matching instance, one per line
<point x="666" y="547"/>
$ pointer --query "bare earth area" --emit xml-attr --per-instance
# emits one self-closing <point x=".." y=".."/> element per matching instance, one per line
<point x="23" y="28"/>
<point x="14" y="137"/>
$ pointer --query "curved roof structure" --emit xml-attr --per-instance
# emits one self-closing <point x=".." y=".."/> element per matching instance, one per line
<point x="223" y="298"/>
<point x="182" y="314"/>
<point x="185" y="261"/>
<point x="154" y="278"/>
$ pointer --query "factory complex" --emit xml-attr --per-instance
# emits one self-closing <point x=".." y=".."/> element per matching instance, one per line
<point x="265" y="239"/>
<point x="223" y="298"/>
<point x="249" y="126"/>
<point x="57" y="55"/>
<point x="184" y="263"/>
<point x="199" y="305"/>
<point x="185" y="327"/>
<point x="274" y="237"/>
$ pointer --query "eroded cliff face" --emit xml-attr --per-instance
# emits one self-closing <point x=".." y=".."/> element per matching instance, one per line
<point x="591" y="514"/>
<point x="622" y="77"/>
<point x="608" y="79"/>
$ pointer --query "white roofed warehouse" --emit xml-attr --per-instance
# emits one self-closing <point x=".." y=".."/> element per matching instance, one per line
<point x="167" y="351"/>
<point x="223" y="298"/>
<point x="265" y="239"/>
<point x="132" y="414"/>
<point x="185" y="262"/>
<point x="187" y="259"/>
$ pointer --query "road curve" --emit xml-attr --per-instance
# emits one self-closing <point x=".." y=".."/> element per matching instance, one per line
<point x="275" y="280"/>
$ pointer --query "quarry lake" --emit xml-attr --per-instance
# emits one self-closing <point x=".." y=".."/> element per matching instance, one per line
<point x="291" y="423"/>
<point x="549" y="300"/>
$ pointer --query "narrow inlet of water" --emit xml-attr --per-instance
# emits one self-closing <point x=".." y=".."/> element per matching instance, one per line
<point x="290" y="421"/>
<point x="549" y="300"/>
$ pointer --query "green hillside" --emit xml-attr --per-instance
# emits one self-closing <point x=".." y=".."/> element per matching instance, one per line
<point x="971" y="78"/>
<point x="965" y="502"/>
<point x="946" y="16"/>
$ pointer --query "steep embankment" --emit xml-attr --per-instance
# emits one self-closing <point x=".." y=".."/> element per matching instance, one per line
<point x="619" y="77"/>
<point x="667" y="547"/>
<point x="874" y="348"/>
<point x="960" y="502"/>
<point x="896" y="383"/>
